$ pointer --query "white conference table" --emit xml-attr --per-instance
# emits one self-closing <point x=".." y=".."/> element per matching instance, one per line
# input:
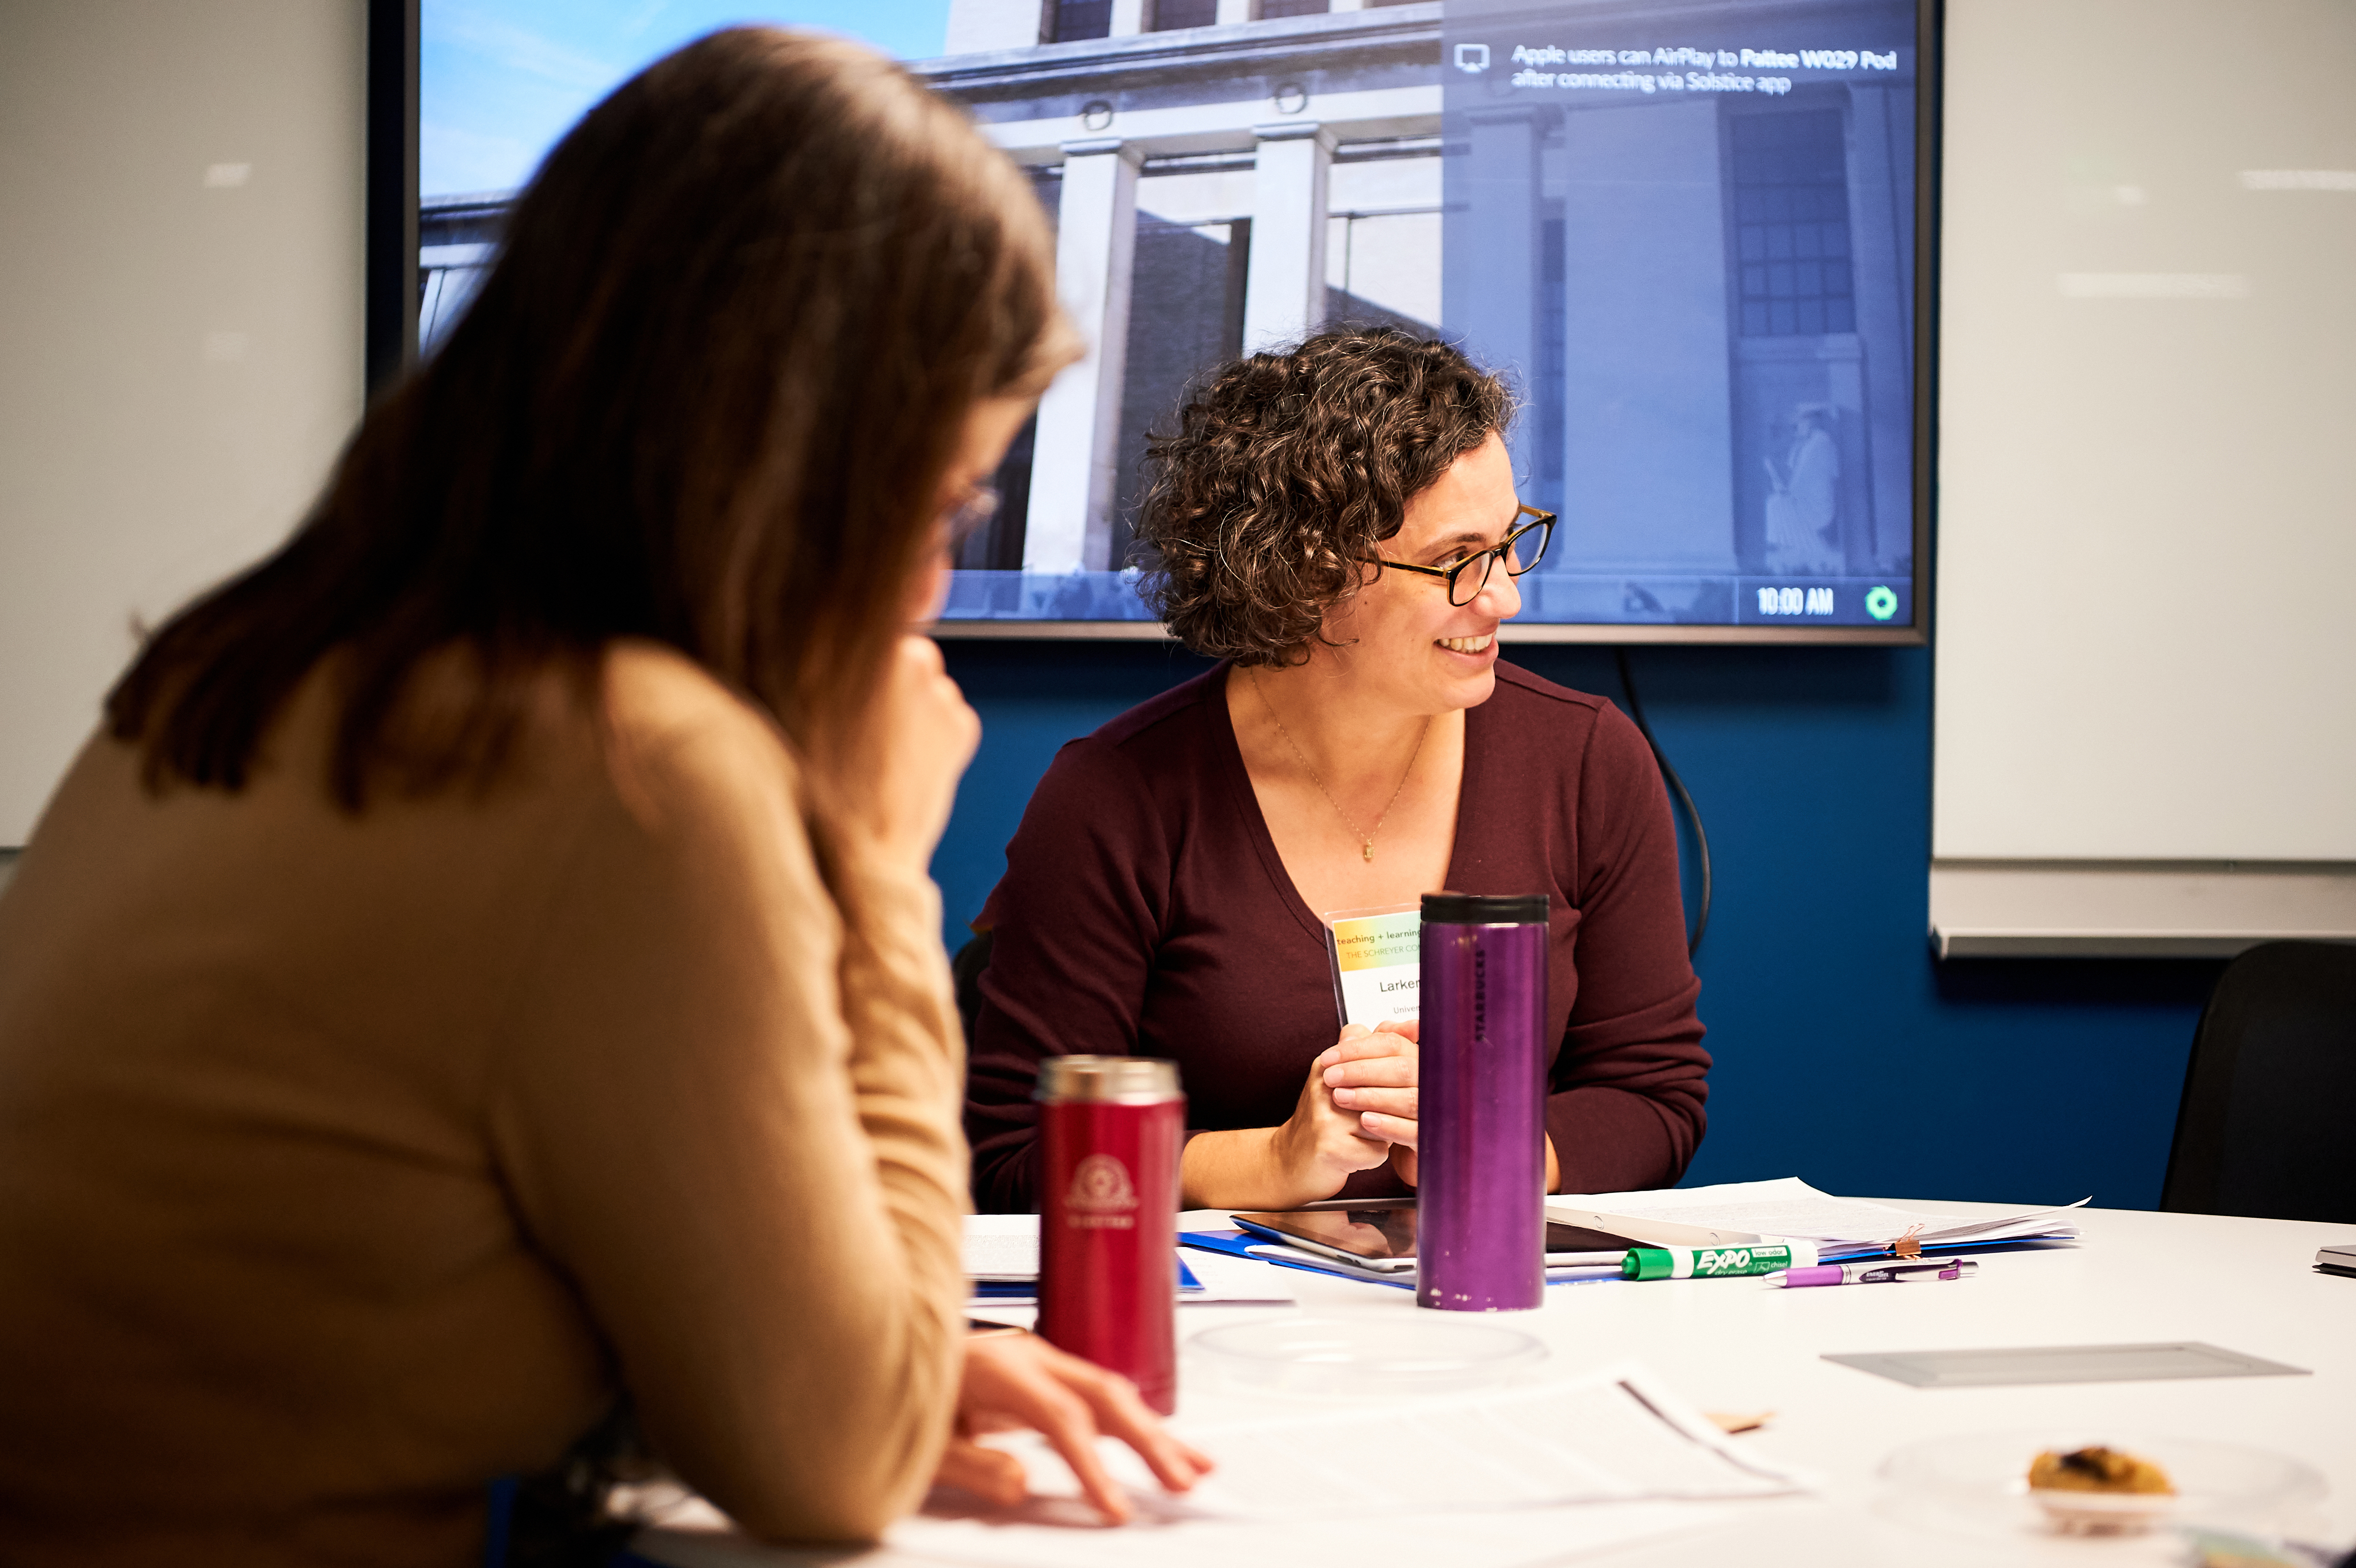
<point x="1736" y="1345"/>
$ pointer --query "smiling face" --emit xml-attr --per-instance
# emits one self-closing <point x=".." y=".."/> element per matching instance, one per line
<point x="1403" y="643"/>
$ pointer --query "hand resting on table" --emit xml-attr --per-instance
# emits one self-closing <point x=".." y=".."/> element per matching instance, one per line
<point x="1015" y="1381"/>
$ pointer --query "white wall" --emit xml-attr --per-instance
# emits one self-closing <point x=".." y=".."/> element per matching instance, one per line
<point x="181" y="192"/>
<point x="2147" y="657"/>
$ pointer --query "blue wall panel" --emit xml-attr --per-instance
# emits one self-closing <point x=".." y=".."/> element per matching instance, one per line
<point x="1844" y="1053"/>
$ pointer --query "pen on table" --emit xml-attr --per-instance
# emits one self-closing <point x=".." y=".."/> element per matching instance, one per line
<point x="1928" y="1272"/>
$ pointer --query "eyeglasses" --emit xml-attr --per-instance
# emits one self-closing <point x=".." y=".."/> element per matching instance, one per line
<point x="1522" y="549"/>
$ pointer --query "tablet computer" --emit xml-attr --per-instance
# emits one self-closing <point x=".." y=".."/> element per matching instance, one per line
<point x="1381" y="1234"/>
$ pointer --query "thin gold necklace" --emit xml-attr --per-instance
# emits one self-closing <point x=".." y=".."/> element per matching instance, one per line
<point x="1366" y="840"/>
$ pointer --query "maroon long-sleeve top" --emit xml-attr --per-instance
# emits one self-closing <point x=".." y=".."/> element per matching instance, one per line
<point x="1145" y="911"/>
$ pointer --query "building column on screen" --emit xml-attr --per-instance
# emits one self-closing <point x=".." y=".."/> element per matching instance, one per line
<point x="1492" y="308"/>
<point x="1128" y="17"/>
<point x="1234" y="13"/>
<point x="1648" y="389"/>
<point x="1069" y="524"/>
<point x="1284" y="283"/>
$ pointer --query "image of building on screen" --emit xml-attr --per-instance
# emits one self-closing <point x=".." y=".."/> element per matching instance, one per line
<point x="1698" y="225"/>
<point x="1224" y="177"/>
<point x="1699" y="275"/>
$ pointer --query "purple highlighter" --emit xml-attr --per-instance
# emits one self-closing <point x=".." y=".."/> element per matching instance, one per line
<point x="1930" y="1271"/>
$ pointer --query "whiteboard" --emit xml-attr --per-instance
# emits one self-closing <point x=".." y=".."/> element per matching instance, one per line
<point x="2146" y="516"/>
<point x="181" y="324"/>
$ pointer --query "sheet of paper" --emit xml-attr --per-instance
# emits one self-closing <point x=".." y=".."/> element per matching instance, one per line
<point x="1237" y="1281"/>
<point x="1483" y="1479"/>
<point x="1002" y="1246"/>
<point x="1615" y="1436"/>
<point x="1525" y="1539"/>
<point x="1790" y="1206"/>
<point x="1003" y="1249"/>
<point x="1495" y="1480"/>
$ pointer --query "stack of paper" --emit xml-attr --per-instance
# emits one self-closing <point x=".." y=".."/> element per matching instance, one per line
<point x="1563" y="1268"/>
<point x="1002" y="1248"/>
<point x="1739" y="1213"/>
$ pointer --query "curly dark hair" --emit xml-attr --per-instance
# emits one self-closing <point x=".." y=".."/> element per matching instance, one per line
<point x="1287" y="468"/>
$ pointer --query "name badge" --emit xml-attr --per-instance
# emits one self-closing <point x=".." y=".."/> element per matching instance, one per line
<point x="1378" y="956"/>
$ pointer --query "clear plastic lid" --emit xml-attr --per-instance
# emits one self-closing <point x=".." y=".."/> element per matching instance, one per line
<point x="1408" y="1353"/>
<point x="1978" y="1483"/>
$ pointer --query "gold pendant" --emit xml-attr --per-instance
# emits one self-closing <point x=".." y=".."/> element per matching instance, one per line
<point x="1369" y="852"/>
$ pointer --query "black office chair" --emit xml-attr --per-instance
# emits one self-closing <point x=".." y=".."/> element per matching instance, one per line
<point x="2268" y="1126"/>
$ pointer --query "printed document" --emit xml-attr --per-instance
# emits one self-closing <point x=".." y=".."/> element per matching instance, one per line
<point x="1742" y="1212"/>
<point x="1500" y="1479"/>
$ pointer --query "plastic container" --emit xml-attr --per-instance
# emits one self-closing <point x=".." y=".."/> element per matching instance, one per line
<point x="1372" y="1356"/>
<point x="1977" y="1485"/>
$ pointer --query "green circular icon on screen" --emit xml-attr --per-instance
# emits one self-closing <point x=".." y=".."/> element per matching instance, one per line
<point x="1880" y="602"/>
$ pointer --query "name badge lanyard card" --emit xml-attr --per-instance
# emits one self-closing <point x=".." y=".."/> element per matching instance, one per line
<point x="1376" y="958"/>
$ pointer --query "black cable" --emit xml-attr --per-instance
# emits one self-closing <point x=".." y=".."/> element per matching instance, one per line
<point x="1677" y="787"/>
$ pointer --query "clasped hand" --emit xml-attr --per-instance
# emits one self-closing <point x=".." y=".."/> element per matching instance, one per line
<point x="1356" y="1109"/>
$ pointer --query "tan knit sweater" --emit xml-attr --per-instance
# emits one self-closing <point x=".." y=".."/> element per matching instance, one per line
<point x="348" y="1162"/>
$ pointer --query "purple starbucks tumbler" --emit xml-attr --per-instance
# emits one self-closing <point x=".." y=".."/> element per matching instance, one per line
<point x="1481" y="1230"/>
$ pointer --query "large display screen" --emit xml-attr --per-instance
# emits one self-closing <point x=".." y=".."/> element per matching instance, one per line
<point x="1718" y="312"/>
<point x="1690" y="235"/>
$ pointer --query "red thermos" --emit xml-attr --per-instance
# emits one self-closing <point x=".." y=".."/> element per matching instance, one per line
<point x="1110" y="1132"/>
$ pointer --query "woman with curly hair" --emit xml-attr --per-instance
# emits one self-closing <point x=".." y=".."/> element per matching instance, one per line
<point x="1337" y="524"/>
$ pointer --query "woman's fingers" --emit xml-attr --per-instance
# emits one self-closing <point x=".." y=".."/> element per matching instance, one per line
<point x="1050" y="1392"/>
<point x="1393" y="1129"/>
<point x="914" y="741"/>
<point x="1121" y="1411"/>
<point x="1025" y="1381"/>
<point x="1065" y="1422"/>
<point x="1388" y="1102"/>
<point x="1332" y="1053"/>
<point x="1383" y="1042"/>
<point x="989" y="1474"/>
<point x="1373" y="1072"/>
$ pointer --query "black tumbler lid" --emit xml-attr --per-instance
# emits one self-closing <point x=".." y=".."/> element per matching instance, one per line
<point x="1485" y="909"/>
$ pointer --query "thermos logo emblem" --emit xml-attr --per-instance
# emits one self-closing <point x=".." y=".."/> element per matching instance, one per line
<point x="1101" y="1197"/>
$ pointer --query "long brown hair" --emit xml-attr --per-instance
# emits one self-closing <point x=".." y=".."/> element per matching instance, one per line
<point x="707" y="395"/>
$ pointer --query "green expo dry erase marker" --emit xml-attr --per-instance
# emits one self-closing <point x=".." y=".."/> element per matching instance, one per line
<point x="1715" y="1263"/>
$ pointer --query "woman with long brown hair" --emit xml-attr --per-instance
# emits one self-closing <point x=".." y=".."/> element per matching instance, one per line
<point x="483" y="980"/>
